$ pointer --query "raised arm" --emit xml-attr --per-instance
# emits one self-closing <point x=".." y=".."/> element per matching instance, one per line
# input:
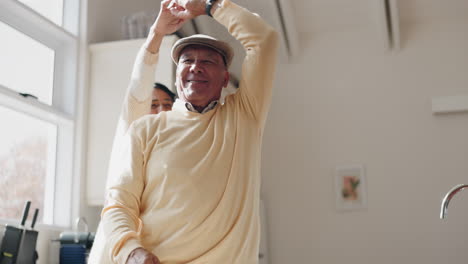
<point x="137" y="101"/>
<point x="260" y="42"/>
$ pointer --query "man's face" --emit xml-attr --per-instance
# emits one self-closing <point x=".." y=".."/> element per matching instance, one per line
<point x="201" y="75"/>
<point x="161" y="101"/>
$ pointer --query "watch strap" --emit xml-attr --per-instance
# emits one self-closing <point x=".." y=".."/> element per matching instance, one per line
<point x="208" y="6"/>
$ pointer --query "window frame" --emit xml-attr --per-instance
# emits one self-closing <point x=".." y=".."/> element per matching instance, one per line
<point x="62" y="191"/>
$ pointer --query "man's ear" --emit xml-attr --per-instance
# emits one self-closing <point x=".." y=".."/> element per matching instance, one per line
<point x="227" y="76"/>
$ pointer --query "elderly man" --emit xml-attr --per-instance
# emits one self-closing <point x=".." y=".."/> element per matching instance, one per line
<point x="187" y="184"/>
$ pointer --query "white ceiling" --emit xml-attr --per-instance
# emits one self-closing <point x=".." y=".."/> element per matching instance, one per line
<point x="335" y="15"/>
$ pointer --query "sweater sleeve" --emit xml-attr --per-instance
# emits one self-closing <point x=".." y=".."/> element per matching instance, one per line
<point x="137" y="101"/>
<point x="260" y="42"/>
<point x="120" y="217"/>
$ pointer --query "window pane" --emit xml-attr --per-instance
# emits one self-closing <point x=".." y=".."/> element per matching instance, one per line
<point x="27" y="162"/>
<point x="51" y="9"/>
<point x="26" y="65"/>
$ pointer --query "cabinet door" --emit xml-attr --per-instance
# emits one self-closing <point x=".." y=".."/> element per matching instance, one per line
<point x="110" y="69"/>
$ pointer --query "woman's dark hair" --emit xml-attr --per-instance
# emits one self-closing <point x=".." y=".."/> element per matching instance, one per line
<point x="164" y="88"/>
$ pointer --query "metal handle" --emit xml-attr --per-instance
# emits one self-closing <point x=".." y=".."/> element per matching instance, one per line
<point x="25" y="212"/>
<point x="36" y="212"/>
<point x="448" y="197"/>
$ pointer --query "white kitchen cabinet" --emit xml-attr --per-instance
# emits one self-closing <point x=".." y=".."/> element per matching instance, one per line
<point x="111" y="65"/>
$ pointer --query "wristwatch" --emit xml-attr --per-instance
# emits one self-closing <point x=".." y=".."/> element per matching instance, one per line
<point x="208" y="6"/>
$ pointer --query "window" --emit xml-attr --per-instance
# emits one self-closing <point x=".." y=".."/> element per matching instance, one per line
<point x="38" y="85"/>
<point x="51" y="9"/>
<point x="24" y="55"/>
<point x="27" y="158"/>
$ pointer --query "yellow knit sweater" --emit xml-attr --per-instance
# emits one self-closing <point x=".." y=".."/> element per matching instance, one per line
<point x="188" y="184"/>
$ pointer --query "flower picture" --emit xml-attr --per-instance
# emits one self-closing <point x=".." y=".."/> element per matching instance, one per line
<point x="350" y="188"/>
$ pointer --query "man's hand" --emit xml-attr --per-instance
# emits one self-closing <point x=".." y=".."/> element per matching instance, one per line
<point x="167" y="21"/>
<point x="141" y="256"/>
<point x="188" y="9"/>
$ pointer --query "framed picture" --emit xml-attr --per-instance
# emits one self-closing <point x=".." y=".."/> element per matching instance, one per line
<point x="350" y="188"/>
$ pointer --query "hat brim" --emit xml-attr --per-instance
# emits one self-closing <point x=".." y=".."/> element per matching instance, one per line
<point x="203" y="40"/>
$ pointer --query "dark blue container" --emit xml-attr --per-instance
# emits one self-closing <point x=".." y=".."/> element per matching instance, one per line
<point x="72" y="254"/>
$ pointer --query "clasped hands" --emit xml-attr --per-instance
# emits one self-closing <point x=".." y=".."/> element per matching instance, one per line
<point x="174" y="13"/>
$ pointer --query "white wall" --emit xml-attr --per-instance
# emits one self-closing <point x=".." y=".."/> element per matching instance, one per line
<point x="347" y="101"/>
<point x="104" y="17"/>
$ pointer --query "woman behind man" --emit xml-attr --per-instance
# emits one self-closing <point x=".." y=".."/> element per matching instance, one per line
<point x="162" y="99"/>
